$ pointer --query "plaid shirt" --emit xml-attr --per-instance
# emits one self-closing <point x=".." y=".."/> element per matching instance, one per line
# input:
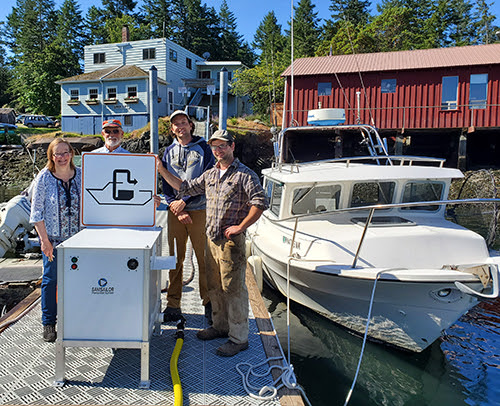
<point x="228" y="198"/>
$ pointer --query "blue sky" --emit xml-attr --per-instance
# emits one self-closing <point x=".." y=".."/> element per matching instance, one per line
<point x="248" y="13"/>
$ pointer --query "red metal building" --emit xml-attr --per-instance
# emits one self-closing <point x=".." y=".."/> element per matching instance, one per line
<point x="447" y="90"/>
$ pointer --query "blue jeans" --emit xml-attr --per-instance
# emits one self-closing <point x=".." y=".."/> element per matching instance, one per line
<point x="49" y="290"/>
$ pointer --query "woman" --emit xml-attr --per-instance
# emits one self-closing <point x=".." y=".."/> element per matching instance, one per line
<point x="55" y="213"/>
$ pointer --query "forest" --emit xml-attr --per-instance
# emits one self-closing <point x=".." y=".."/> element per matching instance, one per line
<point x="40" y="44"/>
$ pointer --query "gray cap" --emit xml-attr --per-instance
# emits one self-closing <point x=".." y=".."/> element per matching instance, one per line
<point x="179" y="113"/>
<point x="222" y="135"/>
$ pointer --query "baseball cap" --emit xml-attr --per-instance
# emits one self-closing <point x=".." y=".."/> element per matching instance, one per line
<point x="222" y="135"/>
<point x="112" y="123"/>
<point x="179" y="113"/>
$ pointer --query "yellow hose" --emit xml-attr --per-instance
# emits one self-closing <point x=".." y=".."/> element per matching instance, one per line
<point x="174" y="373"/>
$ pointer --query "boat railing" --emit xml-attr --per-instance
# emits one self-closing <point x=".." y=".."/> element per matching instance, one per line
<point x="404" y="160"/>
<point x="371" y="211"/>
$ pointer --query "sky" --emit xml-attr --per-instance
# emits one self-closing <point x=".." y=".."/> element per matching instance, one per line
<point x="248" y="13"/>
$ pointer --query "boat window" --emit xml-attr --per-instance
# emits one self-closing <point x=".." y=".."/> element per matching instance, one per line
<point x="274" y="191"/>
<point x="371" y="193"/>
<point x="316" y="199"/>
<point x="422" y="192"/>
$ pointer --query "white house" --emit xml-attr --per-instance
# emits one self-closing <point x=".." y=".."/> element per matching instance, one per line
<point x="184" y="78"/>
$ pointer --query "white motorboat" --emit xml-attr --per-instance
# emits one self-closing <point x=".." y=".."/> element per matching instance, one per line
<point x="353" y="237"/>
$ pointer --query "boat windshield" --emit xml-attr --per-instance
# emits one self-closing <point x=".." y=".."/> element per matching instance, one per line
<point x="422" y="191"/>
<point x="372" y="193"/>
<point x="316" y="199"/>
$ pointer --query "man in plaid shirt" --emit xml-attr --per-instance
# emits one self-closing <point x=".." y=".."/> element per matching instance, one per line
<point x="235" y="200"/>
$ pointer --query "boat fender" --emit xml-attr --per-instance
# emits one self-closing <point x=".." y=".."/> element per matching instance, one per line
<point x="255" y="263"/>
<point x="248" y="248"/>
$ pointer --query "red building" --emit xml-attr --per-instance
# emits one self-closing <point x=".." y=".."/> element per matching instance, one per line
<point x="413" y="96"/>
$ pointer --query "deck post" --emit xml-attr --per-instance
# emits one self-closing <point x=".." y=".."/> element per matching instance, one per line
<point x="462" y="152"/>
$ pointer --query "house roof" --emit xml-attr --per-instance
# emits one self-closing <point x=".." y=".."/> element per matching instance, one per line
<point x="400" y="60"/>
<point x="122" y="72"/>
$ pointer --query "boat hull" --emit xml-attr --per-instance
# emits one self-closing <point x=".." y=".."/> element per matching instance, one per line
<point x="408" y="315"/>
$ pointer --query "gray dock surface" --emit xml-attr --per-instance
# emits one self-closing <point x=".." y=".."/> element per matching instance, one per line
<point x="101" y="376"/>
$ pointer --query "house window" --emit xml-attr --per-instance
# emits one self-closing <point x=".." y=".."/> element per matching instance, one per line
<point x="128" y="120"/>
<point x="111" y="91"/>
<point x="93" y="94"/>
<point x="478" y="91"/>
<point x="204" y="74"/>
<point x="189" y="63"/>
<point x="324" y="89"/>
<point x="388" y="86"/>
<point x="172" y="55"/>
<point x="229" y="75"/>
<point x="449" y="93"/>
<point x="131" y="92"/>
<point x="149" y="53"/>
<point x="74" y="94"/>
<point x="100" y="57"/>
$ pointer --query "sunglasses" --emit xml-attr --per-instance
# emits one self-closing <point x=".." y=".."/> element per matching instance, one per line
<point x="112" y="131"/>
<point x="221" y="147"/>
<point x="61" y="154"/>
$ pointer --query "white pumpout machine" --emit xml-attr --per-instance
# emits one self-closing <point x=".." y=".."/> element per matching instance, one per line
<point x="109" y="278"/>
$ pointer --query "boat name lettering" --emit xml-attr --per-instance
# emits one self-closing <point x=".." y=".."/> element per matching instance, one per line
<point x="288" y="241"/>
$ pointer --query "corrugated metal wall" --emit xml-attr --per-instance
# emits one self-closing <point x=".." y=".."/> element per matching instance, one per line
<point x="416" y="103"/>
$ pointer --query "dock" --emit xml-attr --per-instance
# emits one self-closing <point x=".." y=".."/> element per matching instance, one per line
<point x="101" y="376"/>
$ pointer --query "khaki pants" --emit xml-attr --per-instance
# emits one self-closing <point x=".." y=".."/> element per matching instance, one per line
<point x="226" y="266"/>
<point x="180" y="232"/>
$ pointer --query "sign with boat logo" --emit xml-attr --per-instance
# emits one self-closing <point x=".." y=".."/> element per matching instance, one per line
<point x="118" y="190"/>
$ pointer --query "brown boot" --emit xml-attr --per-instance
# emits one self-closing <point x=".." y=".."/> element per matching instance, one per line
<point x="210" y="334"/>
<point x="231" y="348"/>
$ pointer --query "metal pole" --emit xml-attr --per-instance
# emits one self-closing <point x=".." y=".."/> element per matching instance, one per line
<point x="223" y="91"/>
<point x="153" y="109"/>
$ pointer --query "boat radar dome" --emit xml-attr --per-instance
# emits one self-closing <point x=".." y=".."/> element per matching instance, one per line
<point x="326" y="117"/>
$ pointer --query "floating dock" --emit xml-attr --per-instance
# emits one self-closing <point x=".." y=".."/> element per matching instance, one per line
<point x="101" y="376"/>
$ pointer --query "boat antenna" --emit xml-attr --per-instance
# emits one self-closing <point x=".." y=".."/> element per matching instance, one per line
<point x="359" y="70"/>
<point x="291" y="66"/>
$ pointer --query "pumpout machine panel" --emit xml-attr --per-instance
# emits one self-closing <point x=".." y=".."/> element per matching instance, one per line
<point x="109" y="278"/>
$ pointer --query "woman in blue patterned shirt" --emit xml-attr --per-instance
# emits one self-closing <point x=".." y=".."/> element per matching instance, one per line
<point x="55" y="213"/>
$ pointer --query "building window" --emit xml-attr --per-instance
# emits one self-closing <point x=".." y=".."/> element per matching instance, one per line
<point x="100" y="58"/>
<point x="149" y="53"/>
<point x="478" y="91"/>
<point x="111" y="91"/>
<point x="172" y="55"/>
<point x="229" y="75"/>
<point x="189" y="63"/>
<point x="74" y="94"/>
<point x="128" y="120"/>
<point x="204" y="74"/>
<point x="93" y="94"/>
<point x="388" y="86"/>
<point x="132" y="92"/>
<point x="449" y="93"/>
<point x="324" y="89"/>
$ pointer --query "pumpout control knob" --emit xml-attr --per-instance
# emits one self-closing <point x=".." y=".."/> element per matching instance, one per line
<point x="132" y="264"/>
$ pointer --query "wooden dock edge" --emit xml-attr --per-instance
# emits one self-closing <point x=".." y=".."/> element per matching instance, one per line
<point x="287" y="397"/>
<point x="20" y="307"/>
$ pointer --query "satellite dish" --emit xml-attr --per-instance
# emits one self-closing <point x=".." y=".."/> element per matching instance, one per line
<point x="206" y="55"/>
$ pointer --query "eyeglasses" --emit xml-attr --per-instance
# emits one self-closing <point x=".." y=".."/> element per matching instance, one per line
<point x="61" y="154"/>
<point x="220" y="147"/>
<point x="112" y="131"/>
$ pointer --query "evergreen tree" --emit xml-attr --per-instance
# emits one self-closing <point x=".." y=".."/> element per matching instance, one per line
<point x="461" y="24"/>
<point x="268" y="38"/>
<point x="117" y="8"/>
<point x="70" y="36"/>
<point x="159" y="15"/>
<point x="95" y="23"/>
<point x="485" y="29"/>
<point x="231" y="43"/>
<point x="355" y="11"/>
<point x="196" y="27"/>
<point x="5" y="78"/>
<point x="306" y="29"/>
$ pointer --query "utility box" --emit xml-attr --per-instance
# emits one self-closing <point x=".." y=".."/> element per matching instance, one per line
<point x="109" y="278"/>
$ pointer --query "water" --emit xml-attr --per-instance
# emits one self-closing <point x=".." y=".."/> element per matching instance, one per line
<point x="462" y="368"/>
